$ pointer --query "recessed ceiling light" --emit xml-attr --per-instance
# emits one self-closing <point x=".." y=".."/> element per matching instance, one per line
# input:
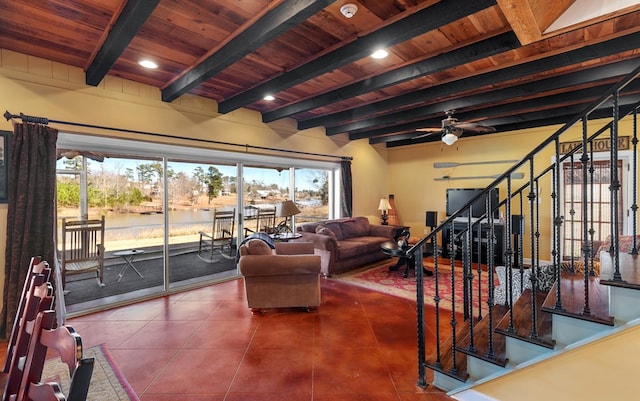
<point x="380" y="53"/>
<point x="148" y="64"/>
<point x="269" y="97"/>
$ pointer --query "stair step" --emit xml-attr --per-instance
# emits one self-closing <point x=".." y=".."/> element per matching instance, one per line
<point x="629" y="270"/>
<point x="481" y="341"/>
<point x="445" y="364"/>
<point x="522" y="321"/>
<point x="572" y="297"/>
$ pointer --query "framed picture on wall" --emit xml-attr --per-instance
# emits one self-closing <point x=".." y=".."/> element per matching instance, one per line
<point x="4" y="165"/>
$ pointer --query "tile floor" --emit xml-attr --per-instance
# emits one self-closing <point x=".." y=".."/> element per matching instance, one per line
<point x="205" y="345"/>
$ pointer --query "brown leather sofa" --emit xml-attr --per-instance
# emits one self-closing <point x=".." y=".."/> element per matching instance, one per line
<point x="286" y="277"/>
<point x="346" y="244"/>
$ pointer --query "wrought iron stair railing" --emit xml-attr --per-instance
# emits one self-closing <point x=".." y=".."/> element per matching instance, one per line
<point x="476" y="325"/>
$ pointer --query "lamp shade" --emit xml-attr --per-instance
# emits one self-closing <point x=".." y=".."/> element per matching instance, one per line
<point x="449" y="138"/>
<point x="286" y="209"/>
<point x="384" y="204"/>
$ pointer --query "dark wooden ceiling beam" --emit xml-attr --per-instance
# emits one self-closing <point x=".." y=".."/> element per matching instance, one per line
<point x="593" y="74"/>
<point x="507" y="109"/>
<point x="133" y="16"/>
<point x="275" y="22"/>
<point x="536" y="119"/>
<point x="476" y="51"/>
<point x="598" y="50"/>
<point x="413" y="25"/>
<point x="564" y="115"/>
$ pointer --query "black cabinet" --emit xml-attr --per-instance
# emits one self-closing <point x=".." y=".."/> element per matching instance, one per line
<point x="479" y="239"/>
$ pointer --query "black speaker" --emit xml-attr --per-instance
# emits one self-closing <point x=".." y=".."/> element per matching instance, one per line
<point x="516" y="224"/>
<point x="432" y="219"/>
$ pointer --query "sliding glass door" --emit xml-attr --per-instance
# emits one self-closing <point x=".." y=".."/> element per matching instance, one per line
<point x="161" y="204"/>
<point x="196" y="192"/>
<point x="129" y="192"/>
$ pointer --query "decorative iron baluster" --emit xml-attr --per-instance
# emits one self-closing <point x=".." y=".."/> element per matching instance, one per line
<point x="586" y="245"/>
<point x="508" y="250"/>
<point x="534" y="236"/>
<point x="422" y="380"/>
<point x="454" y="322"/>
<point x="634" y="207"/>
<point x="572" y="211"/>
<point x="490" y="265"/>
<point x="436" y="297"/>
<point x="592" y="231"/>
<point x="479" y="268"/>
<point x="468" y="277"/>
<point x="520" y="242"/>
<point x="466" y="264"/>
<point x="615" y="188"/>
<point x="557" y="222"/>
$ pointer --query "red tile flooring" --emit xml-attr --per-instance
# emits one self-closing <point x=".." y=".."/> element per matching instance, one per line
<point x="205" y="345"/>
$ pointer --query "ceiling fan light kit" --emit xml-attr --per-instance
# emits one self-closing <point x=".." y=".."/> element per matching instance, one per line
<point x="449" y="138"/>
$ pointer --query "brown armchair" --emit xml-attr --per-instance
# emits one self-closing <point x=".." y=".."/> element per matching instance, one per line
<point x="286" y="277"/>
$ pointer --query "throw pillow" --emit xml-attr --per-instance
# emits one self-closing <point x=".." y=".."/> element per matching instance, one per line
<point x="324" y="230"/>
<point x="258" y="247"/>
<point x="336" y="228"/>
<point x="355" y="228"/>
<point x="546" y="277"/>
<point x="517" y="282"/>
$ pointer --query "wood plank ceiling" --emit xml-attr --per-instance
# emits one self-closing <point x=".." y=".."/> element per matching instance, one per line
<point x="491" y="61"/>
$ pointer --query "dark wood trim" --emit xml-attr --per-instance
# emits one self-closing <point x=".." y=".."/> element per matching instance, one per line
<point x="519" y="71"/>
<point x="275" y="22"/>
<point x="486" y="48"/>
<point x="133" y="16"/>
<point x="422" y="21"/>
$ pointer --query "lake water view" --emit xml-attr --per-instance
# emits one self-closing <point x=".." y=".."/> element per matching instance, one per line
<point x="130" y="230"/>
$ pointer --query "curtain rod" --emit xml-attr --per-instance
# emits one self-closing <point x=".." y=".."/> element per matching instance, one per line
<point x="45" y="121"/>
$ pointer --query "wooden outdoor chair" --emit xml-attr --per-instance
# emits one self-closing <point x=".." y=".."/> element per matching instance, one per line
<point x="66" y="343"/>
<point x="265" y="221"/>
<point x="221" y="237"/>
<point x="82" y="248"/>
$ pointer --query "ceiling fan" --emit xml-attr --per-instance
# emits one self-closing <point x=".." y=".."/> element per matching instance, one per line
<point x="451" y="129"/>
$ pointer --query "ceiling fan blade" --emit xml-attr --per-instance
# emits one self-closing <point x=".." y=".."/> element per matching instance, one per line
<point x="473" y="127"/>
<point x="433" y="130"/>
<point x="424" y="135"/>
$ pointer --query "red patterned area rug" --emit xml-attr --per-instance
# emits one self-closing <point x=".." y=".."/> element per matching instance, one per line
<point x="378" y="277"/>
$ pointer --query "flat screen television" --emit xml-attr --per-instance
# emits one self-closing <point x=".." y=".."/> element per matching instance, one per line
<point x="459" y="197"/>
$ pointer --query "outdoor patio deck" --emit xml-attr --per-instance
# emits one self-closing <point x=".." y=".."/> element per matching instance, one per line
<point x="185" y="269"/>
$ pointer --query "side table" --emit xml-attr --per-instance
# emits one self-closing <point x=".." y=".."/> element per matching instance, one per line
<point x="285" y="237"/>
<point x="391" y="248"/>
<point x="128" y="256"/>
<point x="399" y="230"/>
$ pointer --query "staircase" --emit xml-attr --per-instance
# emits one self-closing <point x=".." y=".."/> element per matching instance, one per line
<point x="570" y="298"/>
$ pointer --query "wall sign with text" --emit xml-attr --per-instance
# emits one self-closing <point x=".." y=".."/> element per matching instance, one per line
<point x="599" y="145"/>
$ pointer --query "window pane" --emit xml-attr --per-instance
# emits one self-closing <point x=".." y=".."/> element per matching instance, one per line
<point x="196" y="190"/>
<point x="312" y="194"/>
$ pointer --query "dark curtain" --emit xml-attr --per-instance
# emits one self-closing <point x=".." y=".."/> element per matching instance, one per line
<point x="31" y="210"/>
<point x="346" y="202"/>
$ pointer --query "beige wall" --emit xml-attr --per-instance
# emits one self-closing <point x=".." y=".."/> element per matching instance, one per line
<point x="41" y="88"/>
<point x="412" y="173"/>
